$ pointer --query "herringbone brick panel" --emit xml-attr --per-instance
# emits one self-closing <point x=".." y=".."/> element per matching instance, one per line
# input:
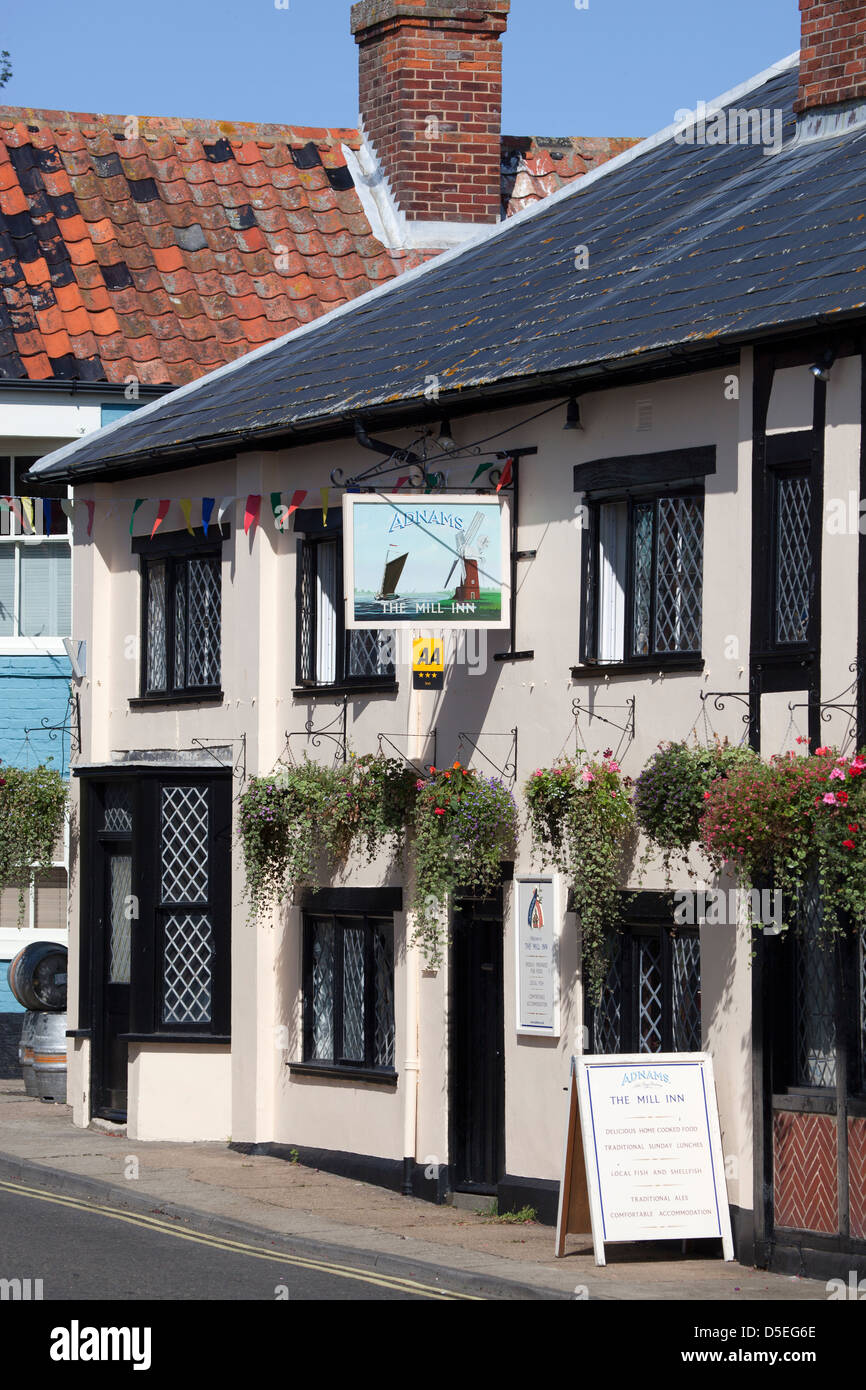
<point x="857" y="1176"/>
<point x="805" y="1187"/>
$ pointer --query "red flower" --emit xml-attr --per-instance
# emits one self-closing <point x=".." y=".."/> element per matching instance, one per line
<point x="841" y="798"/>
<point x="848" y="844"/>
<point x="852" y="829"/>
<point x="439" y="811"/>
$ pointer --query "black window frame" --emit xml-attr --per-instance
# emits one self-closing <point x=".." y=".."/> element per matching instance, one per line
<point x="308" y="544"/>
<point x="174" y="550"/>
<point x="778" y="472"/>
<point x="648" y="914"/>
<point x="370" y="916"/>
<point x="591" y="586"/>
<point x="147" y="958"/>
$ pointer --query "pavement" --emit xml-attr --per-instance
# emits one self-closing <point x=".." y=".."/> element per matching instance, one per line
<point x="210" y="1187"/>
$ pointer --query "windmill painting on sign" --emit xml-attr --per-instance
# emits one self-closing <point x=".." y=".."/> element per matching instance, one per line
<point x="419" y="561"/>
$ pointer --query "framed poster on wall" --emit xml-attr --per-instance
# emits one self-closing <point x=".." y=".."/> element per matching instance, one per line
<point x="536" y="941"/>
<point x="440" y="561"/>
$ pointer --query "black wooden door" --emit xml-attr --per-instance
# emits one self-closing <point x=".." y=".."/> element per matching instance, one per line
<point x="477" y="1047"/>
<point x="116" y="913"/>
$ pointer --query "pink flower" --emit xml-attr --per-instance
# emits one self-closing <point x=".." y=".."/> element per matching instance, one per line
<point x="837" y="773"/>
<point x="829" y="799"/>
<point x="418" y="786"/>
<point x="614" y="767"/>
<point x="822" y="752"/>
<point x="587" y="776"/>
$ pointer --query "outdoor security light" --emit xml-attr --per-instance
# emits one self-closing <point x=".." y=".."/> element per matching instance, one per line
<point x="821" y="368"/>
<point x="445" y="441"/>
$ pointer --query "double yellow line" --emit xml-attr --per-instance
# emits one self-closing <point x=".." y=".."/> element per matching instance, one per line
<point x="237" y="1247"/>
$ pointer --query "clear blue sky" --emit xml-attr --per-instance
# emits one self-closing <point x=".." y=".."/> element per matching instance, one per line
<point x="620" y="67"/>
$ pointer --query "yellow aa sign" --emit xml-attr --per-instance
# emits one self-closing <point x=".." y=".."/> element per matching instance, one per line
<point x="428" y="654"/>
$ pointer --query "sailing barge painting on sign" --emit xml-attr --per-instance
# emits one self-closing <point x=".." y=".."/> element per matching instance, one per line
<point x="426" y="560"/>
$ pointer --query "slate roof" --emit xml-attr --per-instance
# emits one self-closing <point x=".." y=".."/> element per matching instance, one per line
<point x="691" y="247"/>
<point x="165" y="256"/>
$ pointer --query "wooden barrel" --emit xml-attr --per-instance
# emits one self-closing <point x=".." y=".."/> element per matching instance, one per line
<point x="49" y="1057"/>
<point x="25" y="1052"/>
<point x="37" y="976"/>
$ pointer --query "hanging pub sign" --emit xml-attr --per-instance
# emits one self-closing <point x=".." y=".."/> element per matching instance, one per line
<point x="537" y="967"/>
<point x="442" y="562"/>
<point x="643" y="1152"/>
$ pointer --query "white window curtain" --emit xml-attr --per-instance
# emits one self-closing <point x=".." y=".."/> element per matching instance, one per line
<point x="326" y="613"/>
<point x="612" y="532"/>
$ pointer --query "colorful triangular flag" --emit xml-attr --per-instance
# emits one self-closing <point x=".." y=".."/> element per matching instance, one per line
<point x="207" y="506"/>
<point x="252" y="511"/>
<point x="161" y="514"/>
<point x="186" y="508"/>
<point x="135" y="506"/>
<point x="506" y="475"/>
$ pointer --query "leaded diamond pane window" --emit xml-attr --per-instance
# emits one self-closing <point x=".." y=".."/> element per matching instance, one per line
<point x="117" y="807"/>
<point x="651" y="996"/>
<point x="187" y="968"/>
<point x="184" y="839"/>
<point x="678" y="575"/>
<point x="120" y="924"/>
<point x="687" y="993"/>
<point x="326" y="653"/>
<point x="349" y="991"/>
<point x="815" y="994"/>
<point x="183" y="623"/>
<point x="157" y="677"/>
<point x="793" y="558"/>
<point x="644" y="596"/>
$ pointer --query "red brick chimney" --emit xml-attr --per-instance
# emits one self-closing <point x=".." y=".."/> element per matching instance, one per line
<point x="431" y="102"/>
<point x="832" y="53"/>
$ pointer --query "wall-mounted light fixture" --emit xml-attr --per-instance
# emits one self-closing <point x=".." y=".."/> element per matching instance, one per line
<point x="445" y="440"/>
<point x="572" y="415"/>
<point x="821" y="368"/>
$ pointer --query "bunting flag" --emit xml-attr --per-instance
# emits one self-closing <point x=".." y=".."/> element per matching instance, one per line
<point x="400" y="481"/>
<point x="161" y="514"/>
<point x="67" y="506"/>
<point x="225" y="503"/>
<point x="46" y="515"/>
<point x="477" y="474"/>
<point x="207" y="506"/>
<point x="135" y="506"/>
<point x="297" y="498"/>
<point x="27" y="512"/>
<point x="91" y="508"/>
<point x="506" y="475"/>
<point x="277" y="509"/>
<point x="12" y="504"/>
<point x="252" y="511"/>
<point x="325" y="493"/>
<point x="186" y="508"/>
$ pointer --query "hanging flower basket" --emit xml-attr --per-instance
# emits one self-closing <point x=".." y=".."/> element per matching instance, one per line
<point x="581" y="820"/>
<point x="465" y="826"/>
<point x="32" y="808"/>
<point x="670" y="795"/>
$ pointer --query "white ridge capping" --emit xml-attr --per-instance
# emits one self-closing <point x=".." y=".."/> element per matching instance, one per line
<point x="572" y="190"/>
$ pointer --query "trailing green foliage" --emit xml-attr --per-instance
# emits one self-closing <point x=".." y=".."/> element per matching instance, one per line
<point x="464" y="826"/>
<point x="32" y="807"/>
<point x="581" y="819"/>
<point x="670" y="794"/>
<point x="311" y="816"/>
<point x="788" y="818"/>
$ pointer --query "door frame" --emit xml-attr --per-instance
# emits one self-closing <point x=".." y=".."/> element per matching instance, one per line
<point x="457" y="1183"/>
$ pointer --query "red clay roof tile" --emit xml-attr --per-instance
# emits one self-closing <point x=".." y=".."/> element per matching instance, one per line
<point x="197" y="240"/>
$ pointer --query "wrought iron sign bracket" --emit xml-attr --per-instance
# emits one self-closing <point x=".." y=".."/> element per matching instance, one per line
<point x="70" y="726"/>
<point x="509" y="769"/>
<point x="240" y="762"/>
<point x="335" y="730"/>
<point x="719" y="697"/>
<point x="387" y="739"/>
<point x="628" y="728"/>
